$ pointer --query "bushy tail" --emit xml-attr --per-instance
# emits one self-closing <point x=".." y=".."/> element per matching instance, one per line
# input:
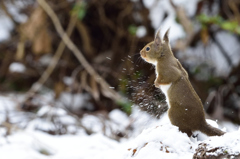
<point x="211" y="131"/>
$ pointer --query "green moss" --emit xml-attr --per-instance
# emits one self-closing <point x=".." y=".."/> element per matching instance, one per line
<point x="126" y="106"/>
<point x="132" y="29"/>
<point x="80" y="10"/>
<point x="229" y="25"/>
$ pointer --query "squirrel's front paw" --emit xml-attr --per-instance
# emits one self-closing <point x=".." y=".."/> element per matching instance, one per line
<point x="157" y="84"/>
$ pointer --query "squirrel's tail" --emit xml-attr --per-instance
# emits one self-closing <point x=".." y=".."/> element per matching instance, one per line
<point x="211" y="131"/>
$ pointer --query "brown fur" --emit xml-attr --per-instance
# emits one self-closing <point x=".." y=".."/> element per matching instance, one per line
<point x="185" y="107"/>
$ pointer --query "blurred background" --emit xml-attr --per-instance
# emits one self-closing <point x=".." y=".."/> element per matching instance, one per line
<point x="103" y="71"/>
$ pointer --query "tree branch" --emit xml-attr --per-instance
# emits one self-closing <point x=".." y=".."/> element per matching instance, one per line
<point x="223" y="51"/>
<point x="105" y="86"/>
<point x="36" y="86"/>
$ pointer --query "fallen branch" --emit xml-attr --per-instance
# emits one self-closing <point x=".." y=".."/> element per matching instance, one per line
<point x="105" y="86"/>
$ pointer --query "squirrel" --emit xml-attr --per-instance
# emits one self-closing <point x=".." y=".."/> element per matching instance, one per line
<point x="185" y="107"/>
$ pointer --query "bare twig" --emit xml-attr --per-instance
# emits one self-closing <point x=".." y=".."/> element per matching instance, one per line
<point x="105" y="86"/>
<point x="53" y="61"/>
<point x="233" y="6"/>
<point x="85" y="38"/>
<point x="223" y="51"/>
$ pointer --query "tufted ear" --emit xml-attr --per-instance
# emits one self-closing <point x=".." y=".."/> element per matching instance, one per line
<point x="157" y="40"/>
<point x="165" y="37"/>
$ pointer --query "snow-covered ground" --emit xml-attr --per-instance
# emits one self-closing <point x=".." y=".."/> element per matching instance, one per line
<point x="145" y="136"/>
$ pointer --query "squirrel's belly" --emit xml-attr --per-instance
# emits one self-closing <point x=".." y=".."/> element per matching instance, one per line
<point x="164" y="89"/>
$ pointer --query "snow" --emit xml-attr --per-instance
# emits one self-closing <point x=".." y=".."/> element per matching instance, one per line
<point x="147" y="138"/>
<point x="6" y="24"/>
<point x="76" y="101"/>
<point x="158" y="9"/>
<point x="189" y="6"/>
<point x="17" y="67"/>
<point x="194" y="57"/>
<point x="14" y="9"/>
<point x="45" y="59"/>
<point x="68" y="80"/>
<point x="210" y="54"/>
<point x="231" y="45"/>
<point x="5" y="27"/>
<point x="163" y="139"/>
<point x="229" y="141"/>
<point x="157" y="12"/>
<point x="141" y="31"/>
<point x="144" y="135"/>
<point x="119" y="118"/>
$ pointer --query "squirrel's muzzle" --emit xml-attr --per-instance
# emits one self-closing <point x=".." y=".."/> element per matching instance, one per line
<point x="142" y="53"/>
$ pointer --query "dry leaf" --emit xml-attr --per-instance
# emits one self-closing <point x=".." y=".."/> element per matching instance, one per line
<point x="42" y="43"/>
<point x="204" y="36"/>
<point x="134" y="151"/>
<point x="20" y="50"/>
<point x="35" y="30"/>
<point x="84" y="85"/>
<point x="58" y="88"/>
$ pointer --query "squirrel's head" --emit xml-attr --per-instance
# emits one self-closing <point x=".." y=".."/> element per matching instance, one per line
<point x="156" y="49"/>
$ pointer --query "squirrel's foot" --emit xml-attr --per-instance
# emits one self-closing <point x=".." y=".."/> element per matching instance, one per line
<point x="194" y="136"/>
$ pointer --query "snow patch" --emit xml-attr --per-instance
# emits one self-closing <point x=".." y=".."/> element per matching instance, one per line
<point x="141" y="31"/>
<point x="5" y="27"/>
<point x="149" y="137"/>
<point x="75" y="101"/>
<point x="17" y="67"/>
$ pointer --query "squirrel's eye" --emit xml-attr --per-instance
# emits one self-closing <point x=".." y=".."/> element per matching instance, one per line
<point x="147" y="48"/>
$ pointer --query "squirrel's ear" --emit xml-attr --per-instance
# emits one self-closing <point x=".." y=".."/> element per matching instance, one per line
<point x="157" y="40"/>
<point x="165" y="37"/>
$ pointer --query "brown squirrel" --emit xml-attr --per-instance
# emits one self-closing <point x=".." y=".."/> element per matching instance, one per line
<point x="185" y="107"/>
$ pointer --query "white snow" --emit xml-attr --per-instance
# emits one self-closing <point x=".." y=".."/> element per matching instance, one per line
<point x="161" y="139"/>
<point x="157" y="11"/>
<point x="14" y="11"/>
<point x="147" y="138"/>
<point x="45" y="59"/>
<point x="5" y="27"/>
<point x="119" y="118"/>
<point x="212" y="57"/>
<point x="141" y="31"/>
<point x="75" y="101"/>
<point x="6" y="24"/>
<point x="189" y="6"/>
<point x="151" y="138"/>
<point x="229" y="141"/>
<point x="210" y="54"/>
<point x="68" y="80"/>
<point x="17" y="67"/>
